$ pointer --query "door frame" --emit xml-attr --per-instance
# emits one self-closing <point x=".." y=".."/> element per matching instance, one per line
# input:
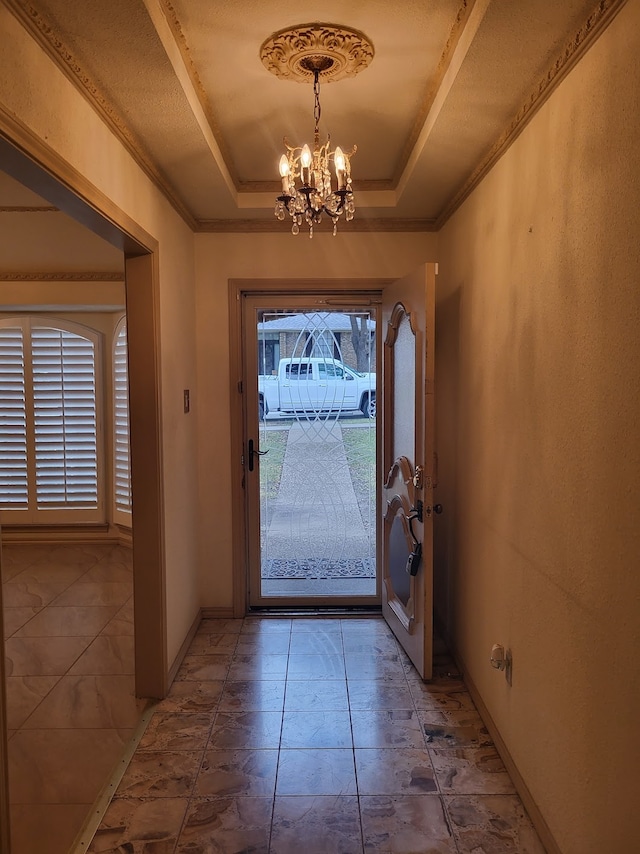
<point x="32" y="162"/>
<point x="338" y="292"/>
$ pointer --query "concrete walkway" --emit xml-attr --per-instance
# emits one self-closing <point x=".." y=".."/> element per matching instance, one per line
<point x="316" y="531"/>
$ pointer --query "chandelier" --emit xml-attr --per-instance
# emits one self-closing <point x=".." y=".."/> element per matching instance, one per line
<point x="316" y="182"/>
<point x="315" y="194"/>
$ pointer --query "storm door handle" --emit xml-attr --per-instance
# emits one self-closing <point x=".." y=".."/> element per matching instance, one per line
<point x="252" y="452"/>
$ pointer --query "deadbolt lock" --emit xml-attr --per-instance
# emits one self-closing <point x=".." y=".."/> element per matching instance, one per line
<point x="417" y="478"/>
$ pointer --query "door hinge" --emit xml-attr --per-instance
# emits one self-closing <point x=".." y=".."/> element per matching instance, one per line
<point x="240" y="387"/>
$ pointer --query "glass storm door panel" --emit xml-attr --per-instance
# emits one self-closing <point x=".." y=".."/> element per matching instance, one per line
<point x="408" y="454"/>
<point x="311" y="454"/>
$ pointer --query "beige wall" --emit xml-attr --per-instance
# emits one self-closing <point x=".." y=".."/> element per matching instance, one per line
<point x="288" y="259"/>
<point x="33" y="89"/>
<point x="539" y="436"/>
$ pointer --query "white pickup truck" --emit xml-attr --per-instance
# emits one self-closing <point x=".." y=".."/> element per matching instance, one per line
<point x="316" y="385"/>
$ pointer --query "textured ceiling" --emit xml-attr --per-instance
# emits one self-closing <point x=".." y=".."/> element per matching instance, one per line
<point x="182" y="83"/>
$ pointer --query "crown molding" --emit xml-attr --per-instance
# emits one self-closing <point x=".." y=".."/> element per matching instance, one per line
<point x="29" y="209"/>
<point x="269" y="226"/>
<point x="593" y="27"/>
<point x="44" y="34"/>
<point x="61" y="277"/>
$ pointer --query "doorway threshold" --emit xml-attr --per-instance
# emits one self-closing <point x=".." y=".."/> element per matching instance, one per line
<point x="313" y="611"/>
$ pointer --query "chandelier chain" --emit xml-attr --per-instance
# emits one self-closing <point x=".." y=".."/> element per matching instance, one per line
<point x="317" y="110"/>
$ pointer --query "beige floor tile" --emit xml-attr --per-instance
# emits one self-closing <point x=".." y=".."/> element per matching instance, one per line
<point x="246" y="729"/>
<point x="271" y="643"/>
<point x="223" y="825"/>
<point x="14" y="618"/>
<point x="471" y="771"/>
<point x="205" y="644"/>
<point x="52" y="828"/>
<point x="235" y="773"/>
<point x="494" y="824"/>
<point x="316" y="729"/>
<point x="395" y="771"/>
<point x="309" y="666"/>
<point x="71" y="621"/>
<point x="325" y="695"/>
<point x="204" y="668"/>
<point x="135" y="824"/>
<point x="445" y="728"/>
<point x="252" y="696"/>
<point x="95" y="593"/>
<point x="34" y="594"/>
<point x="86" y="554"/>
<point x="316" y="772"/>
<point x="406" y="824"/>
<point x="43" y="656"/>
<point x="389" y="728"/>
<point x="122" y="624"/>
<point x="70" y="766"/>
<point x="106" y="655"/>
<point x="21" y="554"/>
<point x="376" y="695"/>
<point x="193" y="696"/>
<point x="51" y="571"/>
<point x="89" y="702"/>
<point x="163" y="774"/>
<point x="24" y="694"/>
<point x="177" y="731"/>
<point x="258" y="666"/>
<point x="109" y="571"/>
<point x="266" y="626"/>
<point x="316" y="825"/>
<point x="220" y="626"/>
<point x="10" y="570"/>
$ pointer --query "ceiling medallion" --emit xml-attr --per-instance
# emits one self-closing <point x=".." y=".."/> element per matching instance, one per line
<point x="305" y="54"/>
<point x="292" y="53"/>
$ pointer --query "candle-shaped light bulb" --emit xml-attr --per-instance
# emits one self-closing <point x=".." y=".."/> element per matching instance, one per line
<point x="284" y="173"/>
<point x="340" y="162"/>
<point x="305" y="156"/>
<point x="305" y="163"/>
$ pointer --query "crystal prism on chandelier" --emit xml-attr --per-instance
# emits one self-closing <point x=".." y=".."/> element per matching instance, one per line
<point x="308" y="188"/>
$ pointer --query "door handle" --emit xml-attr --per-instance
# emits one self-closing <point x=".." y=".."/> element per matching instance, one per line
<point x="253" y="452"/>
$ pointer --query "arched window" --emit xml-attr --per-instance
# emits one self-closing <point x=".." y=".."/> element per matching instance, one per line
<point x="121" y="461"/>
<point x="50" y="456"/>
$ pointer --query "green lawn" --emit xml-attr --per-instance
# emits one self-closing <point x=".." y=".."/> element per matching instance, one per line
<point x="275" y="441"/>
<point x="360" y="448"/>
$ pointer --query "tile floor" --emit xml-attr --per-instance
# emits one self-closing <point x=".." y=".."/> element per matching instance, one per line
<point x="313" y="735"/>
<point x="68" y="620"/>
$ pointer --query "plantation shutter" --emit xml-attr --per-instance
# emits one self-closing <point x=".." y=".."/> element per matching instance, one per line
<point x="14" y="494"/>
<point x="65" y="422"/>
<point x="122" y="467"/>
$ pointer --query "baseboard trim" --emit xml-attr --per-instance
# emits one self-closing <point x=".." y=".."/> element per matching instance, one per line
<point x="217" y="613"/>
<point x="96" y="813"/>
<point x="53" y="535"/>
<point x="186" y="643"/>
<point x="537" y="819"/>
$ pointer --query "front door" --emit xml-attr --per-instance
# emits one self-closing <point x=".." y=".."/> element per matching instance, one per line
<point x="311" y="452"/>
<point x="408" y="316"/>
